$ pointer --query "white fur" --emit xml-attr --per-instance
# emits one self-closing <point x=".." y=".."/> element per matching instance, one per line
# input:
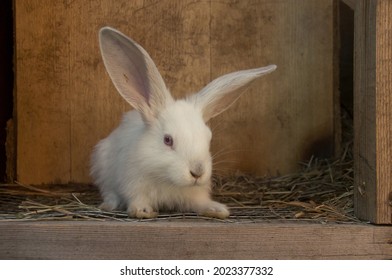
<point x="133" y="167"/>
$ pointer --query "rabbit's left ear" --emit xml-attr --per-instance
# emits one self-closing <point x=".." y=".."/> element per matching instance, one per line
<point x="222" y="92"/>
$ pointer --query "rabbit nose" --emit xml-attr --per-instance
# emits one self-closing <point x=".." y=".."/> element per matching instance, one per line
<point x="197" y="172"/>
<point x="195" y="175"/>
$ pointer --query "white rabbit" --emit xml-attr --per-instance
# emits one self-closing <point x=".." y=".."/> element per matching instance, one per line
<point x="159" y="158"/>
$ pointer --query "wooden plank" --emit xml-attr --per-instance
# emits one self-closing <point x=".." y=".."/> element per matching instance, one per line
<point x="384" y="111"/>
<point x="192" y="240"/>
<point x="43" y="95"/>
<point x="287" y="116"/>
<point x="373" y="111"/>
<point x="364" y="112"/>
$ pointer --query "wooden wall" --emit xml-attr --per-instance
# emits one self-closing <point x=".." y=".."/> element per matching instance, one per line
<point x="65" y="101"/>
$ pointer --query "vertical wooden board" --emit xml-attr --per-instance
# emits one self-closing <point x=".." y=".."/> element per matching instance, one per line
<point x="42" y="98"/>
<point x="287" y="116"/>
<point x="372" y="111"/>
<point x="364" y="107"/>
<point x="384" y="111"/>
<point x="176" y="35"/>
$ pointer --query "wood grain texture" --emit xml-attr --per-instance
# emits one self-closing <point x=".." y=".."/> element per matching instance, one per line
<point x="384" y="111"/>
<point x="43" y="92"/>
<point x="287" y="116"/>
<point x="196" y="240"/>
<point x="373" y="111"/>
<point x="66" y="102"/>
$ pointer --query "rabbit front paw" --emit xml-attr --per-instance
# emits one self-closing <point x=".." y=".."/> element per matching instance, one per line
<point x="215" y="210"/>
<point x="145" y="212"/>
<point x="107" y="206"/>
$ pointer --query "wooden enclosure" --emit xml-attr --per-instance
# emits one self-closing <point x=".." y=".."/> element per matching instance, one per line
<point x="66" y="102"/>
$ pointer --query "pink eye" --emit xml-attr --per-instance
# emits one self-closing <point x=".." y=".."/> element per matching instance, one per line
<point x="168" y="140"/>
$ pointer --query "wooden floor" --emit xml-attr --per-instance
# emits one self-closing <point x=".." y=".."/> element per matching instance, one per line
<point x="192" y="240"/>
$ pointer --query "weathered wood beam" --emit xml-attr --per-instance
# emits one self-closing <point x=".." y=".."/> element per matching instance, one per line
<point x="373" y="111"/>
<point x="192" y="240"/>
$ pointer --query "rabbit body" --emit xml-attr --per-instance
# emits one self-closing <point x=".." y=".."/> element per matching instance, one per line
<point x="159" y="158"/>
<point x="134" y="169"/>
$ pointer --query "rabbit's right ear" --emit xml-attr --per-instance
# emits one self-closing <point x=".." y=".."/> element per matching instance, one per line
<point x="133" y="73"/>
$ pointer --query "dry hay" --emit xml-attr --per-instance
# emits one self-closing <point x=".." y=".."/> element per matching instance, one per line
<point x="321" y="192"/>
